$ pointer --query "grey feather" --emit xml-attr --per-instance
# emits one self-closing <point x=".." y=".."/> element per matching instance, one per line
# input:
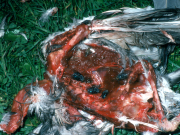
<point x="173" y="77"/>
<point x="141" y="31"/>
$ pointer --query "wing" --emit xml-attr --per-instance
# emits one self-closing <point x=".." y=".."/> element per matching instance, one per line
<point x="141" y="30"/>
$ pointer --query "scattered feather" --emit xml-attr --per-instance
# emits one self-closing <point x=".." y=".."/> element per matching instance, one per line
<point x="45" y="16"/>
<point x="135" y="122"/>
<point x="6" y="118"/>
<point x="169" y="99"/>
<point x="44" y="105"/>
<point x="2" y="26"/>
<point x="24" y="35"/>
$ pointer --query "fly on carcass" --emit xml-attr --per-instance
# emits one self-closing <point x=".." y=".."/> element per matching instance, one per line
<point x="105" y="72"/>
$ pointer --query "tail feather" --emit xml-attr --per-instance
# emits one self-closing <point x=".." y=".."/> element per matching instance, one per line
<point x="160" y="25"/>
<point x="155" y="16"/>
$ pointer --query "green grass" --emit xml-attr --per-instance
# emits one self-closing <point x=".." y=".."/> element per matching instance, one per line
<point x="19" y="59"/>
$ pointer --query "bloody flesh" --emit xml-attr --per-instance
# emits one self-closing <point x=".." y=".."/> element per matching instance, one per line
<point x="96" y="82"/>
<point x="100" y="69"/>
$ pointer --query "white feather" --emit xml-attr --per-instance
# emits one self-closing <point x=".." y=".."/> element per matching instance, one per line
<point x="169" y="99"/>
<point x="2" y="27"/>
<point x="87" y="115"/>
<point x="128" y="10"/>
<point x="45" y="16"/>
<point x="39" y="99"/>
<point x="24" y="35"/>
<point x="135" y="122"/>
<point x="5" y="119"/>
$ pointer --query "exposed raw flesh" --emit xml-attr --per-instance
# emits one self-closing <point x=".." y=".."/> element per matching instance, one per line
<point x="92" y="81"/>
